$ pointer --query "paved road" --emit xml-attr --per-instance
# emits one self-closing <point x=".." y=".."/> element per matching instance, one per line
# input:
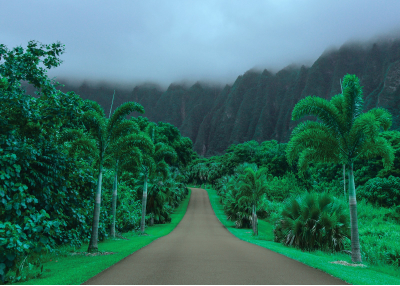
<point x="200" y="250"/>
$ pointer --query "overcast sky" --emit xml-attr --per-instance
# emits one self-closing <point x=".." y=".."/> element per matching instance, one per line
<point x="170" y="41"/>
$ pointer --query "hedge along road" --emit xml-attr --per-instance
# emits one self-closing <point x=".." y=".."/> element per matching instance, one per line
<point x="200" y="250"/>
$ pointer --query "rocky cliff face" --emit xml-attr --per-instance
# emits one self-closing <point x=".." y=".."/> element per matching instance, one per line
<point x="258" y="105"/>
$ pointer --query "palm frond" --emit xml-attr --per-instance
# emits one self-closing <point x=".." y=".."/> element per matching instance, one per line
<point x="382" y="116"/>
<point x="365" y="126"/>
<point x="86" y="145"/>
<point x="377" y="147"/>
<point x="124" y="127"/>
<point x="95" y="124"/>
<point x="148" y="165"/>
<point x="122" y="111"/>
<point x="352" y="101"/>
<point x="338" y="101"/>
<point x="322" y="109"/>
<point x="142" y="141"/>
<point x="312" y="135"/>
<point x="90" y="105"/>
<point x="163" y="151"/>
<point x="162" y="168"/>
<point x="132" y="157"/>
<point x="306" y="156"/>
<point x="133" y="161"/>
<point x="150" y="130"/>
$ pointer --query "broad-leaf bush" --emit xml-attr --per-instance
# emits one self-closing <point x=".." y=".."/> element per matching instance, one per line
<point x="43" y="193"/>
<point x="280" y="188"/>
<point x="381" y="191"/>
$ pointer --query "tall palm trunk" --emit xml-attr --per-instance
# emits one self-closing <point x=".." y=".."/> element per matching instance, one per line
<point x="254" y="218"/>
<point x="344" y="180"/>
<point x="114" y="202"/>
<point x="355" y="242"/>
<point x="144" y="202"/>
<point x="96" y="215"/>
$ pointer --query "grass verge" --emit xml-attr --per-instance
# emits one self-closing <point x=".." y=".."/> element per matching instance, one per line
<point x="77" y="269"/>
<point x="383" y="275"/>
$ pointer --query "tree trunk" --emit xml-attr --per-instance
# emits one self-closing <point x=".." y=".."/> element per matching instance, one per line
<point x="254" y="218"/>
<point x="144" y="202"/>
<point x="96" y="215"/>
<point x="114" y="202"/>
<point x="355" y="242"/>
<point x="344" y="181"/>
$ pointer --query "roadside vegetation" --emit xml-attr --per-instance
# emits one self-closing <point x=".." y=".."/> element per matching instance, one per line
<point x="72" y="266"/>
<point x="372" y="274"/>
<point x="308" y="199"/>
<point x="73" y="174"/>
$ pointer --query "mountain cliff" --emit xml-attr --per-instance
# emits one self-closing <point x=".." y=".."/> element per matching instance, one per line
<point x="258" y="105"/>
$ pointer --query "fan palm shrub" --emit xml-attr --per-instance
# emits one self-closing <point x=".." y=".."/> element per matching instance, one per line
<point x="158" y="195"/>
<point x="313" y="221"/>
<point x="222" y="185"/>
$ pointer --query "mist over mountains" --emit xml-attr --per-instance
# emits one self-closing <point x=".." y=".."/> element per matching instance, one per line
<point x="258" y="105"/>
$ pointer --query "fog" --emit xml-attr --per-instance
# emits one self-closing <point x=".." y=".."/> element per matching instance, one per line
<point x="133" y="42"/>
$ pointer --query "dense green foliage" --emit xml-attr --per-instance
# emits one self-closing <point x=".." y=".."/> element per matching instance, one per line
<point x="381" y="191"/>
<point x="50" y="166"/>
<point x="314" y="221"/>
<point x="376" y="272"/>
<point x="341" y="134"/>
<point x="318" y="226"/>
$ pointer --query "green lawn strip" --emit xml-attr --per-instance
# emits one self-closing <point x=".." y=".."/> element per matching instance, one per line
<point x="318" y="259"/>
<point x="78" y="268"/>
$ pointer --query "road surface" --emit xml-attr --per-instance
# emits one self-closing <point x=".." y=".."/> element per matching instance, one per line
<point x="200" y="250"/>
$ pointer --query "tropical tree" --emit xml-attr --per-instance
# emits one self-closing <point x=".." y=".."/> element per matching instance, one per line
<point x="252" y="186"/>
<point x="341" y="134"/>
<point x="43" y="191"/>
<point x="154" y="165"/>
<point x="126" y="154"/>
<point x="103" y="131"/>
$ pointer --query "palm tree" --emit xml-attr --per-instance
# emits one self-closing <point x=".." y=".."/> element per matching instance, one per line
<point x="126" y="155"/>
<point x="102" y="130"/>
<point x="342" y="134"/>
<point x="154" y="165"/>
<point x="252" y="187"/>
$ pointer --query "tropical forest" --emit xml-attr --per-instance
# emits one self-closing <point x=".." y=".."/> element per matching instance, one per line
<point x="304" y="162"/>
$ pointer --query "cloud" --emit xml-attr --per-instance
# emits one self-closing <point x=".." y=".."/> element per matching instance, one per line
<point x="169" y="41"/>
